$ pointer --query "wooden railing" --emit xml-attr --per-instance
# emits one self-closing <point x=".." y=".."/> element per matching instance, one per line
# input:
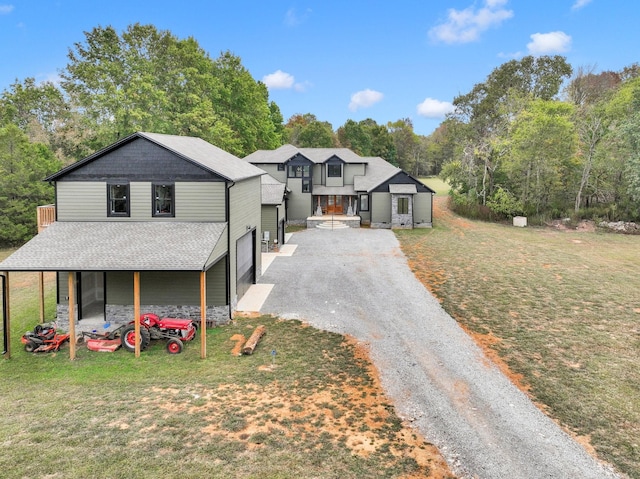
<point x="46" y="216"/>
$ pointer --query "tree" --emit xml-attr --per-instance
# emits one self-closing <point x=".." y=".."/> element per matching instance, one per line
<point x="43" y="113"/>
<point x="406" y="144"/>
<point x="588" y="92"/>
<point x="490" y="107"/>
<point x="244" y="105"/>
<point x="542" y="146"/>
<point x="353" y="135"/>
<point x="23" y="166"/>
<point x="150" y="80"/>
<point x="367" y="138"/>
<point x="306" y="131"/>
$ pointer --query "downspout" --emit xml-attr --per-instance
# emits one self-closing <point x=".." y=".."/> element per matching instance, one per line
<point x="227" y="209"/>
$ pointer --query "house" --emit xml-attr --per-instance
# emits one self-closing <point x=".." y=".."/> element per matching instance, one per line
<point x="160" y="223"/>
<point x="336" y="182"/>
<point x="273" y="193"/>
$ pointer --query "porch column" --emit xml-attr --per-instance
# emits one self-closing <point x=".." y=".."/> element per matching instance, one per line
<point x="41" y="290"/>
<point x="203" y="315"/>
<point x="8" y="313"/>
<point x="136" y="310"/>
<point x="72" y="316"/>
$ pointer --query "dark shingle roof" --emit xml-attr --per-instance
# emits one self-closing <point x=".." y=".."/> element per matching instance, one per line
<point x="193" y="149"/>
<point x="119" y="246"/>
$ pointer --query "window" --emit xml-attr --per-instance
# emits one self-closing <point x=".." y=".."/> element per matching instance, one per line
<point x="403" y="206"/>
<point x="334" y="171"/>
<point x="118" y="199"/>
<point x="280" y="166"/>
<point x="163" y="200"/>
<point x="299" y="171"/>
<point x="364" y="202"/>
<point x="306" y="186"/>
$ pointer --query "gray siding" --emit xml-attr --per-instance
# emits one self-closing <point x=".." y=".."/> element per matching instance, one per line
<point x="422" y="209"/>
<point x="201" y="201"/>
<point x="335" y="181"/>
<point x="270" y="221"/>
<point x="81" y="201"/>
<point x="272" y="169"/>
<point x="349" y="171"/>
<point x="245" y="214"/>
<point x="380" y="208"/>
<point x="299" y="204"/>
<point x="87" y="201"/>
<point x="317" y="173"/>
<point x="167" y="287"/>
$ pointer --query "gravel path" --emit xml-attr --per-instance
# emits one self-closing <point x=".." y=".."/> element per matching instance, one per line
<point x="357" y="282"/>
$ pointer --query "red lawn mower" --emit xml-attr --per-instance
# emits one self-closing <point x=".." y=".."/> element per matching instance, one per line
<point x="43" y="339"/>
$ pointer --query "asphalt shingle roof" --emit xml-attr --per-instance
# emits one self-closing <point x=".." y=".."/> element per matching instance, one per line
<point x="272" y="190"/>
<point x="378" y="171"/>
<point x="118" y="246"/>
<point x="316" y="155"/>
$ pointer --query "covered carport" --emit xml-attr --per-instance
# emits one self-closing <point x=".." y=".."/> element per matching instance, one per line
<point x="69" y="248"/>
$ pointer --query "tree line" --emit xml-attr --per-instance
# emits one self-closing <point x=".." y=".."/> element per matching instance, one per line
<point x="531" y="139"/>
<point x="538" y="139"/>
<point x="145" y="79"/>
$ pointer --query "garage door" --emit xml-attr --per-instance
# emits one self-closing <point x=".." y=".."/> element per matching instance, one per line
<point x="245" y="263"/>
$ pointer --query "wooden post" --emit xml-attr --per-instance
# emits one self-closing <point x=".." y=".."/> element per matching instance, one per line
<point x="136" y="310"/>
<point x="203" y="315"/>
<point x="8" y="311"/>
<point x="41" y="290"/>
<point x="72" y="317"/>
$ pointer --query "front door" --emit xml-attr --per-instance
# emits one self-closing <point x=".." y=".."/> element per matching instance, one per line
<point x="334" y="205"/>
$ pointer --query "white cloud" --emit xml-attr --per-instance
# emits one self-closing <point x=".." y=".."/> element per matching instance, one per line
<point x="364" y="99"/>
<point x="278" y="80"/>
<point x="552" y="42"/>
<point x="293" y="18"/>
<point x="579" y="4"/>
<point x="464" y="26"/>
<point x="6" y="9"/>
<point x="432" y="108"/>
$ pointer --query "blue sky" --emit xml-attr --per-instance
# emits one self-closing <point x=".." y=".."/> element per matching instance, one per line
<point x="342" y="59"/>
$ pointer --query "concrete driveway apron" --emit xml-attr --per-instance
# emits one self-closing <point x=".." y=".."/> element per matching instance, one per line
<point x="358" y="282"/>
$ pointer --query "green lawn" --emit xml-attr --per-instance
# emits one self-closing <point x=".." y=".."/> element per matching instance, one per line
<point x="306" y="404"/>
<point x="561" y="308"/>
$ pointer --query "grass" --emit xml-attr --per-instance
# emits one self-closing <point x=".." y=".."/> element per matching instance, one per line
<point x="560" y="309"/>
<point x="314" y="409"/>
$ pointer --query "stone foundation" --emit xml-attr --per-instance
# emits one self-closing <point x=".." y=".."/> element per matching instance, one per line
<point x="122" y="314"/>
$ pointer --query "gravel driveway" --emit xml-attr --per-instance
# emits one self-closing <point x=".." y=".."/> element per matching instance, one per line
<point x="357" y="282"/>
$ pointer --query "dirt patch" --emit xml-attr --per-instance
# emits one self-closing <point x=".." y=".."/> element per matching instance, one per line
<point x="358" y="417"/>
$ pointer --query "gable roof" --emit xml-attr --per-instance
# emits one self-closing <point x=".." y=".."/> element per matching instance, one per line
<point x="192" y="149"/>
<point x="316" y="155"/>
<point x="121" y="246"/>
<point x="272" y="190"/>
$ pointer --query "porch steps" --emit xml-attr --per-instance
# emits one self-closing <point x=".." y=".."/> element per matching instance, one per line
<point x="332" y="225"/>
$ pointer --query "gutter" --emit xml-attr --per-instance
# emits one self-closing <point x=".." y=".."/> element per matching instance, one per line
<point x="227" y="208"/>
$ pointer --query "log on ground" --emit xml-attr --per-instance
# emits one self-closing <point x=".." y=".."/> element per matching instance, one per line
<point x="252" y="342"/>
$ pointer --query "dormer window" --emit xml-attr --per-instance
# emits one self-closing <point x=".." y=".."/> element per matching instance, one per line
<point x="118" y="199"/>
<point x="334" y="170"/>
<point x="163" y="204"/>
